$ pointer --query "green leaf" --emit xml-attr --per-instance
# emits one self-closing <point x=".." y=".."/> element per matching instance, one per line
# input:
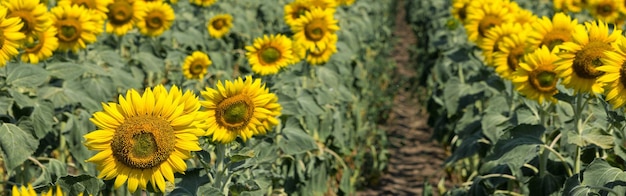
<point x="518" y="146"/>
<point x="309" y="105"/>
<point x="208" y="189"/>
<point x="150" y="62"/>
<point x="78" y="184"/>
<point x="240" y="156"/>
<point x="547" y="185"/>
<point x="65" y="70"/>
<point x="20" y="99"/>
<point x="591" y="136"/>
<point x="454" y="90"/>
<point x="26" y="75"/>
<point x="5" y="104"/>
<point x="295" y="140"/>
<point x="597" y="174"/>
<point x="98" y="88"/>
<point x="17" y="145"/>
<point x="191" y="182"/>
<point x="43" y="118"/>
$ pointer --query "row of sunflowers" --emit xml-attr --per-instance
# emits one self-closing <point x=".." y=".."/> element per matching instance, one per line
<point x="197" y="97"/>
<point x="526" y="96"/>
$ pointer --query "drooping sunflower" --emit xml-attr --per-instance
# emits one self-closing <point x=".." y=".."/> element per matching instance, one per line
<point x="203" y="3"/>
<point x="615" y="74"/>
<point x="269" y="54"/>
<point x="553" y="32"/>
<point x="75" y="27"/>
<point x="315" y="28"/>
<point x="195" y="65"/>
<point x="535" y="78"/>
<point x="319" y="57"/>
<point x="241" y="108"/>
<point x="508" y="59"/>
<point x="123" y="15"/>
<point x="32" y="13"/>
<point x="146" y="137"/>
<point x="219" y="25"/>
<point x="27" y="190"/>
<point x="581" y="56"/>
<point x="459" y="9"/>
<point x="486" y="16"/>
<point x="494" y="37"/>
<point x="159" y="18"/>
<point x="41" y="47"/>
<point x="100" y="7"/>
<point x="606" y="10"/>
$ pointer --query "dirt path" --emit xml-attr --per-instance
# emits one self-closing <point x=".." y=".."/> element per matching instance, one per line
<point x="413" y="157"/>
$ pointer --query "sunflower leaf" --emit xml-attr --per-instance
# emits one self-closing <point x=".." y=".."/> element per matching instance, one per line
<point x="17" y="145"/>
<point x="78" y="184"/>
<point x="24" y="75"/>
<point x="65" y="70"/>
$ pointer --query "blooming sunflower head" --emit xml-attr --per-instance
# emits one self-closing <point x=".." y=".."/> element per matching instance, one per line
<point x="606" y="10"/>
<point x="319" y="57"/>
<point x="483" y="17"/>
<point x="10" y="36"/>
<point x="75" y="27"/>
<point x="552" y="33"/>
<point x="294" y="11"/>
<point x="195" y="65"/>
<point x="32" y="13"/>
<point x="614" y="68"/>
<point x="509" y="57"/>
<point x="219" y="25"/>
<point x="145" y="138"/>
<point x="269" y="54"/>
<point x="241" y="108"/>
<point x="316" y="28"/>
<point x="41" y="46"/>
<point x="494" y="37"/>
<point x="123" y="15"/>
<point x="459" y="9"/>
<point x="158" y="18"/>
<point x="100" y="7"/>
<point x="203" y="3"/>
<point x="582" y="55"/>
<point x="535" y="78"/>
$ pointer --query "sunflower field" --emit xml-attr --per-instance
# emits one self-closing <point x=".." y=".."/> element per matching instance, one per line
<point x="527" y="96"/>
<point x="198" y="97"/>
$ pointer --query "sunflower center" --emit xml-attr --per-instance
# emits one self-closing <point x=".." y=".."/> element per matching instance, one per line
<point x="196" y="69"/>
<point x="512" y="60"/>
<point x="36" y="44"/>
<point x="235" y="112"/>
<point x="154" y="21"/>
<point x="143" y="142"/>
<point x="269" y="55"/>
<point x="68" y="31"/>
<point x="318" y="52"/>
<point x="314" y="31"/>
<point x="120" y="12"/>
<point x="555" y="38"/>
<point x="487" y="23"/>
<point x="301" y="11"/>
<point x="543" y="80"/>
<point x="463" y="12"/>
<point x="28" y="21"/>
<point x="1" y="38"/>
<point x="605" y="9"/>
<point x="588" y="58"/>
<point x="218" y="24"/>
<point x="622" y="74"/>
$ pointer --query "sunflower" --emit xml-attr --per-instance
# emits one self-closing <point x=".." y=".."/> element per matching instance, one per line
<point x="294" y="11"/>
<point x="42" y="46"/>
<point x="606" y="10"/>
<point x="319" y="57"/>
<point x="494" y="37"/>
<point x="27" y="190"/>
<point x="195" y="65"/>
<point x="512" y="50"/>
<point x="203" y="3"/>
<point x="123" y="15"/>
<point x="536" y="78"/>
<point x="100" y="7"/>
<point x="524" y="17"/>
<point x="553" y="32"/>
<point x="615" y="74"/>
<point x="219" y="25"/>
<point x="267" y="55"/>
<point x="575" y="5"/>
<point x="10" y="36"/>
<point x="75" y="27"/>
<point x="486" y="16"/>
<point x="322" y="4"/>
<point x="459" y="9"/>
<point x="145" y="137"/>
<point x="32" y="13"/>
<point x="298" y="51"/>
<point x="345" y="2"/>
<point x="241" y="108"/>
<point x="159" y="18"/>
<point x="581" y="56"/>
<point x="315" y="28"/>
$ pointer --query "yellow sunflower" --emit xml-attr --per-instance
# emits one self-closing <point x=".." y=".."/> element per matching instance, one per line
<point x="298" y="51"/>
<point x="241" y="108"/>
<point x="267" y="55"/>
<point x="486" y="16"/>
<point x="345" y="2"/>
<point x="101" y="7"/>
<point x="10" y="36"/>
<point x="512" y="49"/>
<point x="32" y="13"/>
<point x="459" y="9"/>
<point x="315" y="28"/>
<point x="294" y="11"/>
<point x="319" y="57"/>
<point x="219" y="25"/>
<point x="203" y="3"/>
<point x="614" y="74"/>
<point x="553" y="32"/>
<point x="123" y="15"/>
<point x="23" y="191"/>
<point x="575" y="5"/>
<point x="42" y="46"/>
<point x="581" y="56"/>
<point x="535" y="78"/>
<point x="75" y="27"/>
<point x="159" y="18"/>
<point x="146" y="137"/>
<point x="606" y="10"/>
<point x="524" y="17"/>
<point x="494" y="37"/>
<point x="322" y="4"/>
<point x="195" y="65"/>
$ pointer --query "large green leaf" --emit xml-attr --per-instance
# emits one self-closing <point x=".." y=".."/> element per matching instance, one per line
<point x="150" y="62"/>
<point x="597" y="174"/>
<point x="17" y="145"/>
<point x="65" y="70"/>
<point x="26" y="75"/>
<point x="43" y="118"/>
<point x="79" y="184"/>
<point x="591" y="136"/>
<point x="516" y="147"/>
<point x="295" y="140"/>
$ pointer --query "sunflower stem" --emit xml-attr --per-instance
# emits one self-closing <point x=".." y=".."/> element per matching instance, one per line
<point x="578" y="127"/>
<point x="220" y="170"/>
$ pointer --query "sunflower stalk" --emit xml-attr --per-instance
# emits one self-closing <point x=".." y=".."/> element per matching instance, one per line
<point x="221" y="172"/>
<point x="578" y="128"/>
